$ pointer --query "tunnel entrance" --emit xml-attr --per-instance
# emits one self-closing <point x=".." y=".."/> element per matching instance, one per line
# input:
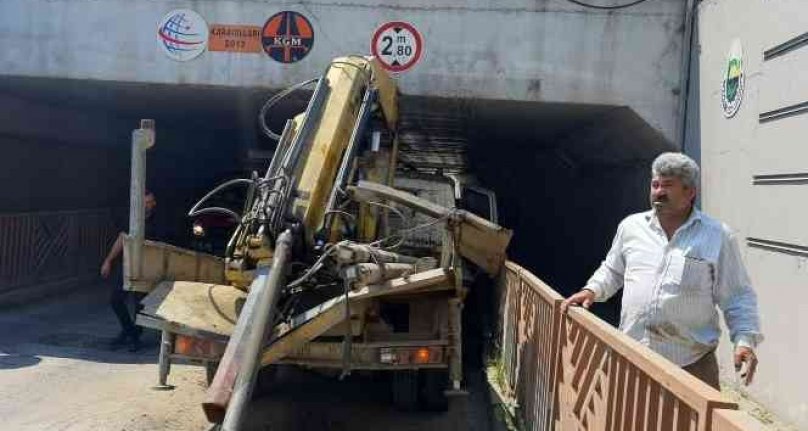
<point x="564" y="175"/>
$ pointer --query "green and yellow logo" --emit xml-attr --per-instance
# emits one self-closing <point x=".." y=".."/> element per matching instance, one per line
<point x="733" y="83"/>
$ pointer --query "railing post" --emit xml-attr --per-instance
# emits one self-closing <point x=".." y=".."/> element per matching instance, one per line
<point x="507" y="328"/>
<point x="555" y="367"/>
<point x="516" y="324"/>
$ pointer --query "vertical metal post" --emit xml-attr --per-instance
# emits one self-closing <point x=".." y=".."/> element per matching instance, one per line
<point x="142" y="140"/>
<point x="458" y="261"/>
<point x="164" y="367"/>
<point x="684" y="76"/>
<point x="375" y="141"/>
<point x="456" y="337"/>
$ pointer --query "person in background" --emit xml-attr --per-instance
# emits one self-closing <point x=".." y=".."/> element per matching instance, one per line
<point x="675" y="264"/>
<point x="130" y="333"/>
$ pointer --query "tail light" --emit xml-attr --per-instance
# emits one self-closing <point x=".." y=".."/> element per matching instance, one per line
<point x="411" y="355"/>
<point x="198" y="347"/>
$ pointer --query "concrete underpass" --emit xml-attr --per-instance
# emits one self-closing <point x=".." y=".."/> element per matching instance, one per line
<point x="564" y="176"/>
<point x="552" y="111"/>
<point x="554" y="167"/>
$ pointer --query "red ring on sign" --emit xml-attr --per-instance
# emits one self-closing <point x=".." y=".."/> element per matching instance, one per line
<point x="419" y="45"/>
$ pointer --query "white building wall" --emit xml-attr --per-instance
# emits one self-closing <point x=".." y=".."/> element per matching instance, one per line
<point x="756" y="179"/>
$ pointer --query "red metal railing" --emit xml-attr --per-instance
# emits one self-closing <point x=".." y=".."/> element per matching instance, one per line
<point x="60" y="247"/>
<point x="575" y="372"/>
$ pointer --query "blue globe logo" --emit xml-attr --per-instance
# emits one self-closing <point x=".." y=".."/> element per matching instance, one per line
<point x="183" y="34"/>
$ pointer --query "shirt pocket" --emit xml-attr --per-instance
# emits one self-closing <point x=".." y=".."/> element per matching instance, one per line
<point x="689" y="274"/>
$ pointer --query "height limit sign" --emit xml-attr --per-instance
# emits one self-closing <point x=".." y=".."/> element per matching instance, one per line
<point x="397" y="45"/>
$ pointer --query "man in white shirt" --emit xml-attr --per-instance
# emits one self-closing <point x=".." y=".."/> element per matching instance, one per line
<point x="675" y="264"/>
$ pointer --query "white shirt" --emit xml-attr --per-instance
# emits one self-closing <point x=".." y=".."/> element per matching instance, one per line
<point x="671" y="288"/>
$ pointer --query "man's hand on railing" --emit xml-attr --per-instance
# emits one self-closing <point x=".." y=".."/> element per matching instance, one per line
<point x="584" y="298"/>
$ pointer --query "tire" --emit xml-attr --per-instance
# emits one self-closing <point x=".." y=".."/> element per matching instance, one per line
<point x="432" y="384"/>
<point x="265" y="380"/>
<point x="405" y="390"/>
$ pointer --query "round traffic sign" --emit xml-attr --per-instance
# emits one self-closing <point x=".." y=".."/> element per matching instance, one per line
<point x="397" y="45"/>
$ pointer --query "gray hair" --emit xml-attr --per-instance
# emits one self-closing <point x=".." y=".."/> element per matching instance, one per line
<point x="677" y="165"/>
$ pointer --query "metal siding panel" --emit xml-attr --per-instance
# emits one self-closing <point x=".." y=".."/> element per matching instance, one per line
<point x="780" y="213"/>
<point x="783" y="20"/>
<point x="779" y="147"/>
<point x="781" y="281"/>
<point x="784" y="81"/>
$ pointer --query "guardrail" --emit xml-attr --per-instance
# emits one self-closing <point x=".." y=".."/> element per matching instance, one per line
<point x="52" y="249"/>
<point x="575" y="372"/>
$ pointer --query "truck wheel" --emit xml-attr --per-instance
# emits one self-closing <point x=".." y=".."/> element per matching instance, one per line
<point x="265" y="380"/>
<point x="432" y="385"/>
<point x="405" y="390"/>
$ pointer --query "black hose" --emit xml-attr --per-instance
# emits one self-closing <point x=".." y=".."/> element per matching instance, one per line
<point x="217" y="210"/>
<point x="195" y="209"/>
<point x="262" y="115"/>
<point x="614" y="7"/>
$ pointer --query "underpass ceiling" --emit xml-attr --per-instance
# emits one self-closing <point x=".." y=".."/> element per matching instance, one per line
<point x="585" y="134"/>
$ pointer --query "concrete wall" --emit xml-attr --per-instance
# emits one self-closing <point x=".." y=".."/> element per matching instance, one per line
<point x="738" y="156"/>
<point x="59" y="159"/>
<point x="533" y="50"/>
<point x="46" y="176"/>
<point x="62" y="158"/>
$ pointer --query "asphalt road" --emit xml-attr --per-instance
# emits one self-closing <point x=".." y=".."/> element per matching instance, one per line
<point x="56" y="373"/>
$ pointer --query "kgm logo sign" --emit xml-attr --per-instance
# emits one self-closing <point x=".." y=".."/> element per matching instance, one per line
<point x="287" y="37"/>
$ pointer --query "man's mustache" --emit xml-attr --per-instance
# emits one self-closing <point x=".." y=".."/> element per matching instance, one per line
<point x="659" y="199"/>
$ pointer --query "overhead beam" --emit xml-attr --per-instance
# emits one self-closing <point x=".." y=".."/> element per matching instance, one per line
<point x="30" y="120"/>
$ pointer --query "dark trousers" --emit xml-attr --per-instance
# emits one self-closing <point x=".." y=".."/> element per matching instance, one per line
<point x="706" y="369"/>
<point x="119" y="300"/>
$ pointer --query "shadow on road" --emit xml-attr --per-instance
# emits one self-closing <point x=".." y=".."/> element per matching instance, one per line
<point x="14" y="361"/>
<point x="303" y="400"/>
<point x="78" y="325"/>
